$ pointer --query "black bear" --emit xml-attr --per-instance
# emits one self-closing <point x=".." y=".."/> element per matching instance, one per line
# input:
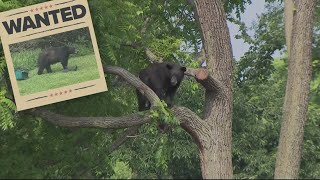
<point x="164" y="79"/>
<point x="54" y="55"/>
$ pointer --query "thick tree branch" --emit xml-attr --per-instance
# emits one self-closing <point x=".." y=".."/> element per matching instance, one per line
<point x="191" y="72"/>
<point x="206" y="80"/>
<point x="189" y="121"/>
<point x="94" y="122"/>
<point x="193" y="124"/>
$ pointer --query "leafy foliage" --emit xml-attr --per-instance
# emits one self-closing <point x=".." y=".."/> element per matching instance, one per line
<point x="162" y="113"/>
<point x="256" y="125"/>
<point x="238" y="6"/>
<point x="268" y="37"/>
<point x="25" y="59"/>
<point x="121" y="171"/>
<point x="7" y="108"/>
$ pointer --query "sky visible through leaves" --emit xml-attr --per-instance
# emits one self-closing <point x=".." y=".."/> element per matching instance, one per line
<point x="249" y="16"/>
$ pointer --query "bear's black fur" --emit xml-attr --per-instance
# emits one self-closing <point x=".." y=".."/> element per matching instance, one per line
<point x="54" y="55"/>
<point x="164" y="79"/>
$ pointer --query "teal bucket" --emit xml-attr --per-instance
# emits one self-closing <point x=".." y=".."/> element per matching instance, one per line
<point x="21" y="75"/>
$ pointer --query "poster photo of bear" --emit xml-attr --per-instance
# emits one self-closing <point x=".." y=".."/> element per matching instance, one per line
<point x="54" y="61"/>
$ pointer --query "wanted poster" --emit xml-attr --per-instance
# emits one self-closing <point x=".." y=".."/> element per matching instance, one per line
<point x="51" y="53"/>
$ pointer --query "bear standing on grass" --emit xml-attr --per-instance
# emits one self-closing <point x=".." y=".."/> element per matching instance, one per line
<point x="54" y="55"/>
<point x="164" y="79"/>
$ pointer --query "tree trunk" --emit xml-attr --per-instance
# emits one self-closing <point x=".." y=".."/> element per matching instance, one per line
<point x="288" y="20"/>
<point x="297" y="91"/>
<point x="216" y="155"/>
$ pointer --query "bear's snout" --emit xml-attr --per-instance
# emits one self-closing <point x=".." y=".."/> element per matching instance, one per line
<point x="173" y="81"/>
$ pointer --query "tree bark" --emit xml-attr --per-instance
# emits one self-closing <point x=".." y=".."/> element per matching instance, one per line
<point x="289" y="9"/>
<point x="297" y="91"/>
<point x="216" y="155"/>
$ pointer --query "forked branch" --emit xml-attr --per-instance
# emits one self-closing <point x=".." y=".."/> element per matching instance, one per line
<point x="189" y="120"/>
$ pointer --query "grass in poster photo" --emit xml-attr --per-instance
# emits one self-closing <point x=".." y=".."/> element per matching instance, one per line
<point x="81" y="67"/>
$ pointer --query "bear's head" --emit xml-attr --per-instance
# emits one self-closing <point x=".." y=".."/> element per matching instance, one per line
<point x="176" y="73"/>
<point x="72" y="50"/>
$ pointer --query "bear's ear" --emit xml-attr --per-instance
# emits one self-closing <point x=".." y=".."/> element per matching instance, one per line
<point x="183" y="69"/>
<point x="169" y="66"/>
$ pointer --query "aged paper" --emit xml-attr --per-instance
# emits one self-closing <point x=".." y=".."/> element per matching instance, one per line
<point x="51" y="53"/>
